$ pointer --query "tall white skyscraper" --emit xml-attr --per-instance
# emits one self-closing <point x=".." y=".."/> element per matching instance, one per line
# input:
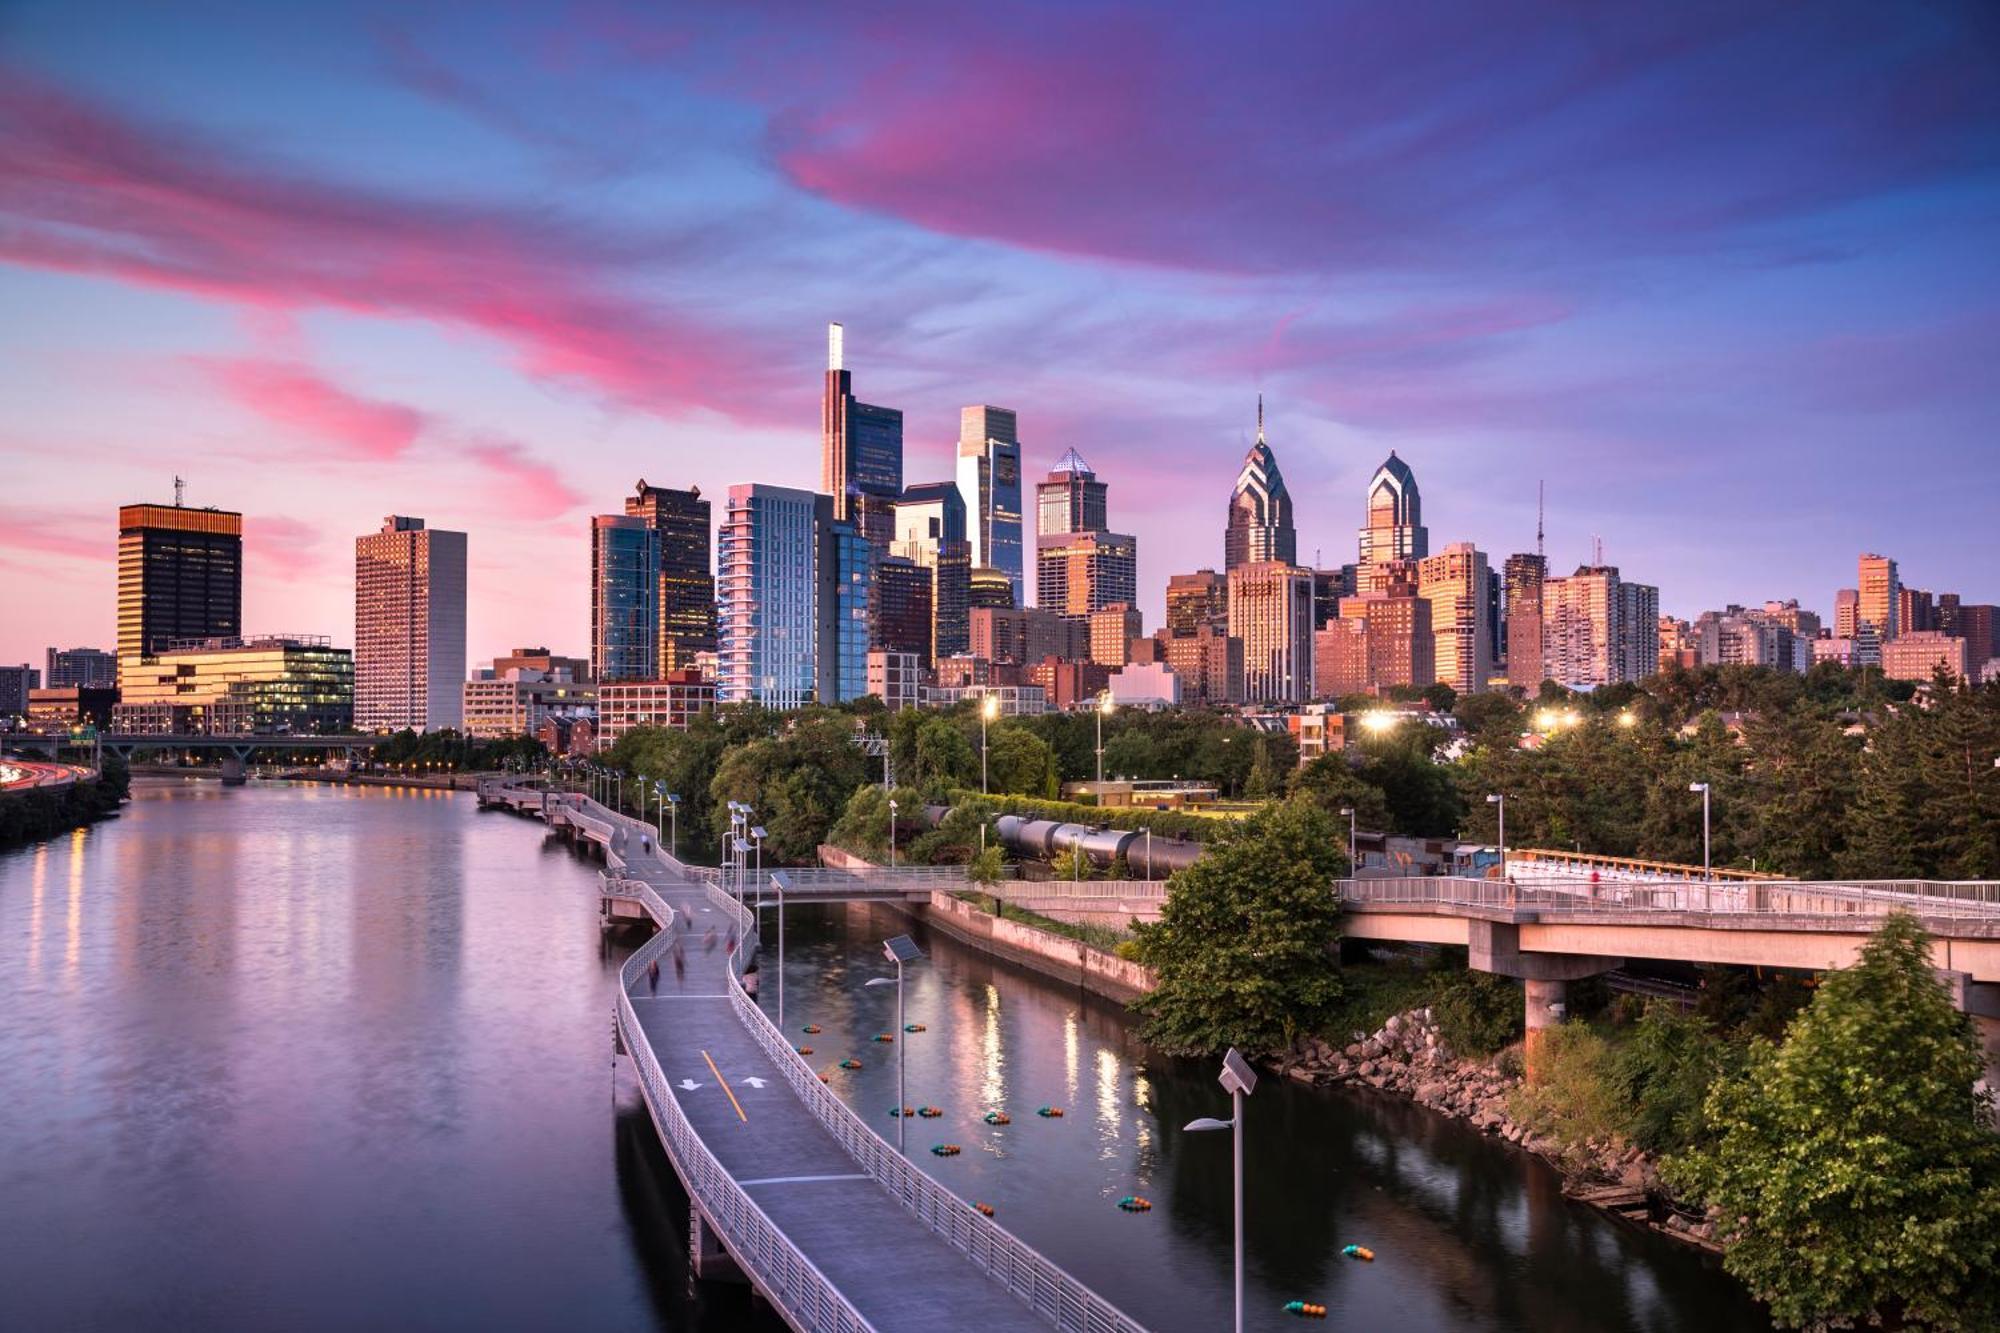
<point x="409" y="627"/>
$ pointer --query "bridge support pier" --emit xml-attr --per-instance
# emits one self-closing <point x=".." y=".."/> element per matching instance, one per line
<point x="711" y="1262"/>
<point x="1495" y="946"/>
<point x="232" y="769"/>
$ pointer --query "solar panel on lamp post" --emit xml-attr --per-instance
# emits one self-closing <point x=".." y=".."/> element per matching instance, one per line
<point x="1241" y="1080"/>
<point x="899" y="949"/>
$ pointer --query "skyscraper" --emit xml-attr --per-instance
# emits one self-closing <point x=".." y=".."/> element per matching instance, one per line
<point x="1454" y="583"/>
<point x="1260" y="509"/>
<point x="1070" y="498"/>
<point x="684" y="600"/>
<point x="1636" y="642"/>
<point x="902" y="622"/>
<point x="930" y="530"/>
<point x="1878" y="599"/>
<point x="1197" y="599"/>
<point x="1525" y="575"/>
<point x="624" y="597"/>
<point x="1846" y="612"/>
<point x="1395" y="528"/>
<point x="861" y="452"/>
<point x="768" y="628"/>
<point x="844" y="592"/>
<point x="1271" y="611"/>
<point x="409" y="627"/>
<point x="1080" y="566"/>
<point x="180" y="577"/>
<point x="1598" y="629"/>
<point x="989" y="481"/>
<point x="81" y="668"/>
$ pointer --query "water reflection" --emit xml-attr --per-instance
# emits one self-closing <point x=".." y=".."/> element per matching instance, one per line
<point x="1469" y="1234"/>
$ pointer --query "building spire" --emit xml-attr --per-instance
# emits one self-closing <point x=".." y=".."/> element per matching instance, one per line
<point x="1538" y="519"/>
<point x="1260" y="418"/>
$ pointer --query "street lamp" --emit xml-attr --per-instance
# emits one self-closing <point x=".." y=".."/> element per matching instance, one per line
<point x="1353" y="865"/>
<point x="673" y="825"/>
<point x="989" y="708"/>
<point x="892" y="833"/>
<point x="1707" y="876"/>
<point x="1500" y="800"/>
<point x="1241" y="1080"/>
<point x="1104" y="707"/>
<point x="757" y="841"/>
<point x="899" y="950"/>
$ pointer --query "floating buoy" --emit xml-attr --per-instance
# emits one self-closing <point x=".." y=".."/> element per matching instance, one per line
<point x="983" y="1209"/>
<point x="999" y="1118"/>
<point x="944" y="1150"/>
<point x="850" y="1063"/>
<point x="810" y="1029"/>
<point x="1132" y="1203"/>
<point x="1305" y="1309"/>
<point x="1050" y="1112"/>
<point x="824" y="1079"/>
<point x="900" y="1111"/>
<point x="915" y="1027"/>
<point x="805" y="1050"/>
<point x="1358" y="1252"/>
<point x="885" y="1036"/>
<point x="929" y="1112"/>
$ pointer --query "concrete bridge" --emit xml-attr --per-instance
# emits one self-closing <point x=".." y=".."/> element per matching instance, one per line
<point x="789" y="1189"/>
<point x="1550" y="934"/>
<point x="234" y="749"/>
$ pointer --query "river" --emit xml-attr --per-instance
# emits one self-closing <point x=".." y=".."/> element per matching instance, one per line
<point x="323" y="1058"/>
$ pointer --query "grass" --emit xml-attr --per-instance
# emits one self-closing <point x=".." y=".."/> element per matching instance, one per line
<point x="1107" y="938"/>
<point x="1373" y="993"/>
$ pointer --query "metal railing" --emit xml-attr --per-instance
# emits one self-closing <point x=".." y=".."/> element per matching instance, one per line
<point x="801" y="1293"/>
<point x="1828" y="899"/>
<point x="1036" y="1279"/>
<point x="1126" y="889"/>
<point x="823" y="879"/>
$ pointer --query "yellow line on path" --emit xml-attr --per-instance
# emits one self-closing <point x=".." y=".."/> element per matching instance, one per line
<point x="725" y="1088"/>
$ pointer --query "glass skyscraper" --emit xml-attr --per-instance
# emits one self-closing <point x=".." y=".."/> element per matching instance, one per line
<point x="989" y="481"/>
<point x="624" y="592"/>
<point x="861" y="452"/>
<point x="768" y="628"/>
<point x="180" y="577"/>
<point x="685" y="598"/>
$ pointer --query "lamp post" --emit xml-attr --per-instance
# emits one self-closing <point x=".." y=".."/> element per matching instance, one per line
<point x="1500" y="799"/>
<point x="757" y="842"/>
<point x="1104" y="706"/>
<point x="892" y="833"/>
<point x="1353" y="868"/>
<point x="989" y="708"/>
<point x="673" y="825"/>
<point x="1241" y="1080"/>
<point x="899" y="950"/>
<point x="1707" y="876"/>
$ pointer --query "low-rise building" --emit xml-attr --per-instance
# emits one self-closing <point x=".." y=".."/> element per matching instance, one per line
<point x="513" y="703"/>
<point x="1146" y="685"/>
<point x="1013" y="700"/>
<point x="672" y="701"/>
<point x="277" y="684"/>
<point x="1918" y="654"/>
<point x="1069" y="684"/>
<point x="897" y="679"/>
<point x="57" y="711"/>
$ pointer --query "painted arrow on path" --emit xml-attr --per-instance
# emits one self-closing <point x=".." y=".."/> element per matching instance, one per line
<point x="689" y="1085"/>
<point x="754" y="1081"/>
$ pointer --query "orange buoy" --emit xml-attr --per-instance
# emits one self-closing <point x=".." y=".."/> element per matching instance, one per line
<point x="983" y="1209"/>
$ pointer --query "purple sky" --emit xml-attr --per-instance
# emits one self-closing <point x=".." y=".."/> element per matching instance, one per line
<point x="1726" y="275"/>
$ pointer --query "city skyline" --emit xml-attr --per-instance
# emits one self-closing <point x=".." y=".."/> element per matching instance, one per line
<point x="1715" y="389"/>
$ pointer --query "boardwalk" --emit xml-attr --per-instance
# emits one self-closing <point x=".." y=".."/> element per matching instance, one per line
<point x="836" y="1228"/>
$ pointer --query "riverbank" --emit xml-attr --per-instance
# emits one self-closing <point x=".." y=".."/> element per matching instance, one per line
<point x="36" y="813"/>
<point x="1408" y="1056"/>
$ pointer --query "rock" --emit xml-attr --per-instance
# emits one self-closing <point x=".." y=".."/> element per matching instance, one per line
<point x="1302" y="1075"/>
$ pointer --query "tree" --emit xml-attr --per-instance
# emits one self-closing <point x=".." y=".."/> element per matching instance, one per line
<point x="1262" y="780"/>
<point x="1074" y="863"/>
<point x="1440" y="695"/>
<point x="863" y="826"/>
<point x="1329" y="783"/>
<point x="1666" y="1069"/>
<point x="986" y="870"/>
<point x="1856" y="1173"/>
<point x="1245" y="941"/>
<point x="1018" y="761"/>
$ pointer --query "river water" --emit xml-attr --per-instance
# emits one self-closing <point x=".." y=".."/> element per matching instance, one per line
<point x="324" y="1058"/>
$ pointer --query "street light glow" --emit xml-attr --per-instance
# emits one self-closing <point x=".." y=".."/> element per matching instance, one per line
<point x="1379" y="720"/>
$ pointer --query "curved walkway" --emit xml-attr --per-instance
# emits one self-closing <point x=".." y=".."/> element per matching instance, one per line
<point x="836" y="1228"/>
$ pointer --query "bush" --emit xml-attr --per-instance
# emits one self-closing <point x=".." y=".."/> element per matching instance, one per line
<point x="1577" y="1098"/>
<point x="1666" y="1068"/>
<point x="1477" y="1013"/>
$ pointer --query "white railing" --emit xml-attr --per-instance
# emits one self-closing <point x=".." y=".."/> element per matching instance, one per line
<point x="830" y="879"/>
<point x="1036" y="1279"/>
<point x="1125" y="889"/>
<point x="1831" y="899"/>
<point x="801" y="1293"/>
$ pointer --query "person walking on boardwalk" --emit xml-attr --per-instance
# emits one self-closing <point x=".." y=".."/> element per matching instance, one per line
<point x="653" y="977"/>
<point x="708" y="941"/>
<point x="680" y="963"/>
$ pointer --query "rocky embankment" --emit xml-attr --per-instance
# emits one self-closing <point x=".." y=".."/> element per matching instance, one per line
<point x="1410" y="1057"/>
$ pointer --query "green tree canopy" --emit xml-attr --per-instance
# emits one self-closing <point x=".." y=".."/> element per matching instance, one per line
<point x="1244" y="947"/>
<point x="1855" y="1168"/>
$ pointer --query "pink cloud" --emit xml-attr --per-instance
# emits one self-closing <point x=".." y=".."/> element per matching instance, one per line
<point x="525" y="486"/>
<point x="62" y="534"/>
<point x="85" y="190"/>
<point x="287" y="547"/>
<point x="292" y="395"/>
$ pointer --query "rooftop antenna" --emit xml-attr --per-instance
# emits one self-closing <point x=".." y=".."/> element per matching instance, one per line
<point x="1597" y="552"/>
<point x="1539" y="552"/>
<point x="1260" y="418"/>
<point x="180" y="492"/>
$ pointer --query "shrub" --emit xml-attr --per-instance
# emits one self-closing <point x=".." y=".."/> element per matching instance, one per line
<point x="1477" y="1013"/>
<point x="1665" y="1070"/>
<point x="1576" y="1098"/>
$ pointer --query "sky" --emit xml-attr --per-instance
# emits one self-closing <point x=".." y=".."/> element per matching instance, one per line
<point x="1724" y="276"/>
